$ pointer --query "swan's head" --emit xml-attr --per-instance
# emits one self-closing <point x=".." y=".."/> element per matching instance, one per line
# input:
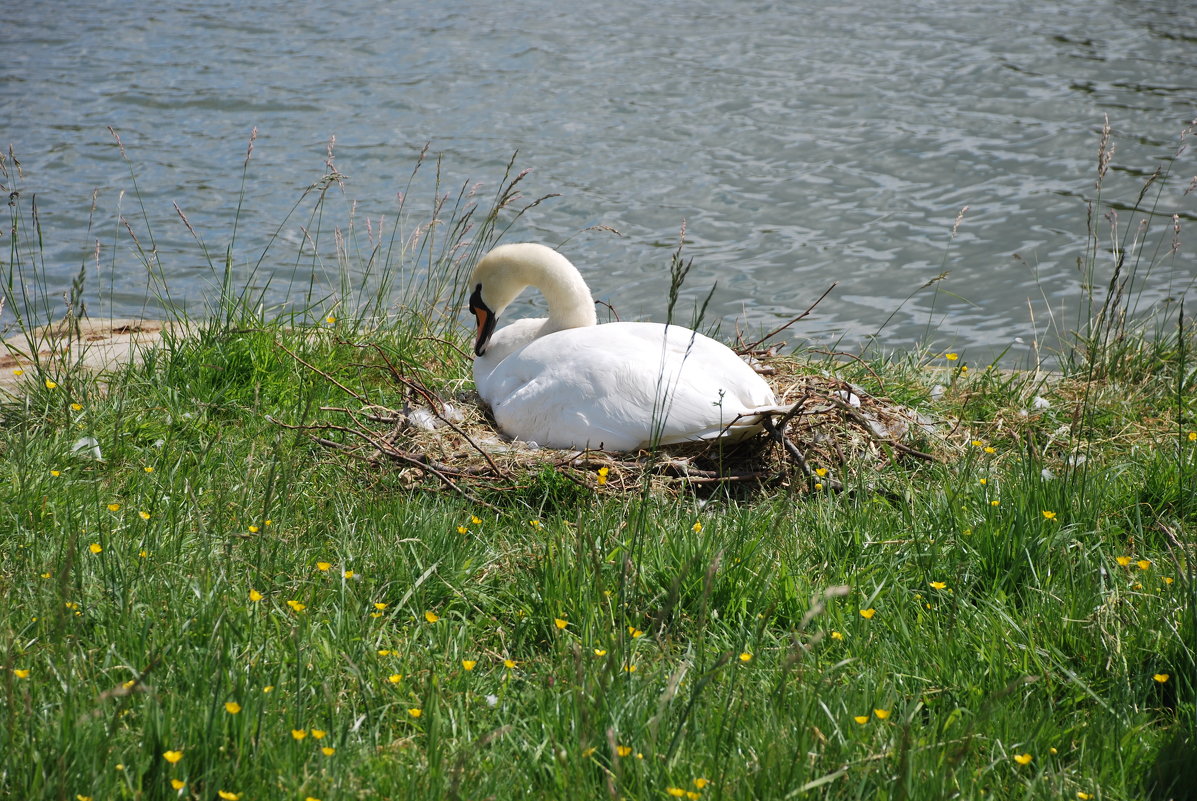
<point x="484" y="316"/>
<point x="505" y="272"/>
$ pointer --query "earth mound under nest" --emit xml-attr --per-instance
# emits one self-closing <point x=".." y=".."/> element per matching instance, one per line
<point x="448" y="440"/>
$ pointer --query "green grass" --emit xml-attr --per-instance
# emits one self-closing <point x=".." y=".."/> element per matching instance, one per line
<point x="907" y="638"/>
<point x="1040" y="642"/>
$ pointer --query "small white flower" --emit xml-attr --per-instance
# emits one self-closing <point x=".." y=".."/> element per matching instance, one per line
<point x="492" y="700"/>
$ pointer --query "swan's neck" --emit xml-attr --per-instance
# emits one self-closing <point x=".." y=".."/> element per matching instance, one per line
<point x="523" y="265"/>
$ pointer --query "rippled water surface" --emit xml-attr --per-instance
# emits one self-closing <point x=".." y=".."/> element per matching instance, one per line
<point x="803" y="143"/>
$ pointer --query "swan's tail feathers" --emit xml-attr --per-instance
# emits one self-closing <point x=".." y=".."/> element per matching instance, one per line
<point x="747" y="424"/>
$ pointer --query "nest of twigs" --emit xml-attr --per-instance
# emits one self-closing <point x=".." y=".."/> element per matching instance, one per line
<point x="447" y="440"/>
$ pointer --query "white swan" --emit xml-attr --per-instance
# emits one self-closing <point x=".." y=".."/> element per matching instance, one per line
<point x="564" y="382"/>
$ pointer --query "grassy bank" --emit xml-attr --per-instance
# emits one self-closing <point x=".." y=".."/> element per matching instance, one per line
<point x="201" y="603"/>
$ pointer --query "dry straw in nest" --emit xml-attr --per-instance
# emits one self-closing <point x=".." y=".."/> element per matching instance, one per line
<point x="834" y="430"/>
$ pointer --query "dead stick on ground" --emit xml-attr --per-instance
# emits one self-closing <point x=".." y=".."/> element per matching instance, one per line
<point x="776" y="331"/>
<point x="419" y="461"/>
<point x="326" y="376"/>
<point x="428" y="397"/>
<point x="858" y="418"/>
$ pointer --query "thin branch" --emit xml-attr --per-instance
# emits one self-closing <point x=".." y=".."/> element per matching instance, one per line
<point x="750" y="348"/>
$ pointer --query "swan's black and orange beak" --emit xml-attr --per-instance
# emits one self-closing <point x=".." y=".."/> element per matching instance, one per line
<point x="485" y="318"/>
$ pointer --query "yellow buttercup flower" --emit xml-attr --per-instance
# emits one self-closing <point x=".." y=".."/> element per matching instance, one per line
<point x="431" y="617"/>
<point x="1049" y="515"/>
<point x="867" y="614"/>
<point x="379" y="605"/>
<point x="820" y="471"/>
<point x="697" y="527"/>
<point x="951" y="356"/>
<point x="56" y="473"/>
<point x="114" y="507"/>
<point x="881" y="714"/>
<point x="509" y="664"/>
<point x="939" y="585"/>
<point x="95" y="547"/>
<point x="323" y="566"/>
<point x="349" y="574"/>
<point x="144" y="515"/>
<point x="178" y="784"/>
<point x="147" y="468"/>
<point x="395" y="678"/>
<point x="623" y="750"/>
<point x="835" y="635"/>
<point x="635" y="632"/>
<point x="253" y="529"/>
<point x="299" y="734"/>
<point x="469" y="664"/>
<point x="560" y="623"/>
<point x="602" y="475"/>
<point x="477" y="521"/>
<point x="319" y="734"/>
<point x="701" y="783"/>
<point x="21" y="673"/>
<point x="1161" y="677"/>
<point x="1123" y="560"/>
<point x="232" y="707"/>
<point x="676" y="792"/>
<point x="1081" y="794"/>
<point x="600" y="651"/>
<point x="745" y="657"/>
<point x="255" y="596"/>
<point x="297" y="606"/>
<point x="328" y="750"/>
<point x="415" y="712"/>
<point x="228" y="796"/>
<point x="50" y="384"/>
<point x="861" y="719"/>
<point x="172" y="756"/>
<point x="534" y="523"/>
<point x="1143" y="564"/>
<point x="1023" y="759"/>
<point x="462" y="530"/>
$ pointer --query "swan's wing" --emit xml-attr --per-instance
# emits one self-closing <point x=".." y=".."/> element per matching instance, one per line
<point x="621" y="386"/>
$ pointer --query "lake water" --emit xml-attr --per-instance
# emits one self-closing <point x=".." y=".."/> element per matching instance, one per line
<point x="803" y="143"/>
